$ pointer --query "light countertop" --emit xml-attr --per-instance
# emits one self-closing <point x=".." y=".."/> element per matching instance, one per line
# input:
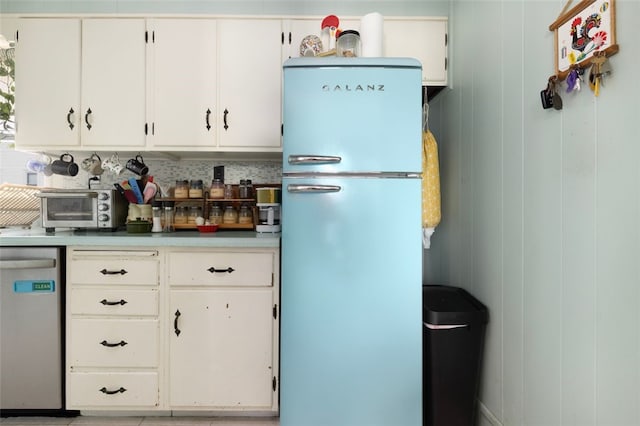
<point x="182" y="238"/>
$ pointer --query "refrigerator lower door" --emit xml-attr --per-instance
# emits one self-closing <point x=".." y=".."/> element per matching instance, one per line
<point x="351" y="345"/>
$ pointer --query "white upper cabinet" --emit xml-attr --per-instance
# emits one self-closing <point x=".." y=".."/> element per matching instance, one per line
<point x="182" y="80"/>
<point x="113" y="83"/>
<point x="422" y="38"/>
<point x="249" y="92"/>
<point x="48" y="83"/>
<point x="80" y="83"/>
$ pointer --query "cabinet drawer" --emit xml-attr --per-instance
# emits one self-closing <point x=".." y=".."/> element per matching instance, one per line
<point x="114" y="271"/>
<point x="221" y="269"/>
<point x="113" y="343"/>
<point x="118" y="302"/>
<point x="112" y="389"/>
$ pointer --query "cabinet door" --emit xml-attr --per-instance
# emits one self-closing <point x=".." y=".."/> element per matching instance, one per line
<point x="113" y="83"/>
<point x="221" y="350"/>
<point x="423" y="39"/>
<point x="183" y="73"/>
<point x="47" y="83"/>
<point x="250" y="64"/>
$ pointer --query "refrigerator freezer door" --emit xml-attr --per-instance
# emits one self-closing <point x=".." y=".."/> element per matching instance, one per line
<point x="367" y="116"/>
<point x="351" y="318"/>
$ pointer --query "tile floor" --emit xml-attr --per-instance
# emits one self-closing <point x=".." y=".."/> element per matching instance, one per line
<point x="139" y="421"/>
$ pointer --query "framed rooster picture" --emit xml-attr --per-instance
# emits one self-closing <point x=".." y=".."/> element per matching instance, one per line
<point x="587" y="29"/>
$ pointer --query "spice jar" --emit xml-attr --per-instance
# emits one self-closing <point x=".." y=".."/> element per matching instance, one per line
<point x="181" y="217"/>
<point x="217" y="189"/>
<point x="156" y="209"/>
<point x="195" y="189"/>
<point x="194" y="213"/>
<point x="228" y="191"/>
<point x="168" y="217"/>
<point x="182" y="189"/>
<point x="243" y="189"/>
<point x="348" y="44"/>
<point x="215" y="214"/>
<point x="245" y="216"/>
<point x="230" y="215"/>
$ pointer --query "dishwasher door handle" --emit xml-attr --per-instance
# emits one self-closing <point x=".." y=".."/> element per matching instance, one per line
<point x="27" y="263"/>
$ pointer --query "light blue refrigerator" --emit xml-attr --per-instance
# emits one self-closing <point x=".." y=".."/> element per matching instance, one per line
<point x="351" y="314"/>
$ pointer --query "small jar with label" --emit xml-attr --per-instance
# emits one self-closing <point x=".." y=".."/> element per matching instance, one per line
<point x="182" y="189"/>
<point x="194" y="213"/>
<point x="245" y="216"/>
<point x="230" y="215"/>
<point x="181" y="216"/>
<point x="215" y="214"/>
<point x="195" y="189"/>
<point x="217" y="189"/>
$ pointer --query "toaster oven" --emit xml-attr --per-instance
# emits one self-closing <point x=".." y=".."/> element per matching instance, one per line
<point x="103" y="209"/>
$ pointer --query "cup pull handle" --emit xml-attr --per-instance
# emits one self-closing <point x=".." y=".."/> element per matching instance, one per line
<point x="206" y="119"/>
<point x="86" y="118"/>
<point x="71" y="125"/>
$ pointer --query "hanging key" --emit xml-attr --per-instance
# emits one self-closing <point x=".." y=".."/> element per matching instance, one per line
<point x="595" y="75"/>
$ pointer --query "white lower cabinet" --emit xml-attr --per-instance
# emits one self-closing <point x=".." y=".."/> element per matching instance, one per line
<point x="173" y="329"/>
<point x="223" y="345"/>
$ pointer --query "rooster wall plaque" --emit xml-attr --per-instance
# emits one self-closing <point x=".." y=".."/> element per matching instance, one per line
<point x="587" y="28"/>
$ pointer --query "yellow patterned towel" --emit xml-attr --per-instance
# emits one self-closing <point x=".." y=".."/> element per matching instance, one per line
<point x="431" y="213"/>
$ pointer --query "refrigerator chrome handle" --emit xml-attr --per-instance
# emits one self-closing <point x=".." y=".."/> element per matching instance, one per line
<point x="313" y="188"/>
<point x="314" y="159"/>
<point x="27" y="263"/>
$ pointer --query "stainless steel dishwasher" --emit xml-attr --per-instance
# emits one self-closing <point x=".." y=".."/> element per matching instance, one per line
<point x="31" y="331"/>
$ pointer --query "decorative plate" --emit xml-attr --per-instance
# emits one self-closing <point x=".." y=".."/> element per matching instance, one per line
<point x="311" y="45"/>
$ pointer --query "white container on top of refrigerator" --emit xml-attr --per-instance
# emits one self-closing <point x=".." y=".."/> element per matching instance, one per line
<point x="351" y="317"/>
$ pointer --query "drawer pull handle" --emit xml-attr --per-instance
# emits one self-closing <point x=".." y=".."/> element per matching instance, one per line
<point x="120" y="302"/>
<point x="113" y="345"/>
<point x="214" y="270"/>
<point x="121" y="272"/>
<point x="175" y="323"/>
<point x="113" y="392"/>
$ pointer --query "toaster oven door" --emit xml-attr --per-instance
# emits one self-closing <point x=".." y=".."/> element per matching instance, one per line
<point x="69" y="209"/>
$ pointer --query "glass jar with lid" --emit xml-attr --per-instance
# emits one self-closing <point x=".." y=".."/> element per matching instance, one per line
<point x="182" y="189"/>
<point x="230" y="215"/>
<point x="245" y="216"/>
<point x="217" y="189"/>
<point x="348" y="44"/>
<point x="181" y="216"/>
<point x="194" y="213"/>
<point x="215" y="214"/>
<point x="168" y="219"/>
<point x="195" y="189"/>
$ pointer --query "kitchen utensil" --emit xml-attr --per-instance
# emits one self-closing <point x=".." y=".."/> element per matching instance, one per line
<point x="137" y="166"/>
<point x="113" y="164"/>
<point x="329" y="27"/>
<point x="65" y="166"/>
<point x="149" y="192"/>
<point x="92" y="165"/>
<point x="133" y="183"/>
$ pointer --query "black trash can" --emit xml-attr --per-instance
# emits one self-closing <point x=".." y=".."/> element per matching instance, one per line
<point x="453" y="340"/>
